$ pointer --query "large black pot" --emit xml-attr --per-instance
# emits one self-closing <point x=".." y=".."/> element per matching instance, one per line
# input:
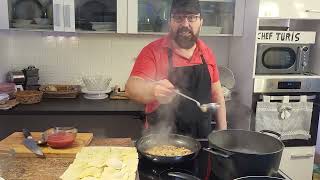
<point x="238" y="153"/>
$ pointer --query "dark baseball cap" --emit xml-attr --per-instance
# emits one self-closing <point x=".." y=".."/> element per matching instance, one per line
<point x="185" y="7"/>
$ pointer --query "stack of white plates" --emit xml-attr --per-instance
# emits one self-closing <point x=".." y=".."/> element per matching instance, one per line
<point x="211" y="29"/>
<point x="104" y="26"/>
<point x="4" y="98"/>
<point x="95" y="94"/>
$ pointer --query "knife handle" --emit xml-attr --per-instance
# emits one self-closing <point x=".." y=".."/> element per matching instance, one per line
<point x="26" y="133"/>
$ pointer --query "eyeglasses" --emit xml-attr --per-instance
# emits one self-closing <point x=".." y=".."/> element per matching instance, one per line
<point x="181" y="18"/>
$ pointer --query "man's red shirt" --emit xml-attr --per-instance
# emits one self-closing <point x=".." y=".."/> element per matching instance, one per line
<point x="152" y="62"/>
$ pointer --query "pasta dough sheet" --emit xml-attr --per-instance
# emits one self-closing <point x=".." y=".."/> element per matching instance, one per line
<point x="103" y="163"/>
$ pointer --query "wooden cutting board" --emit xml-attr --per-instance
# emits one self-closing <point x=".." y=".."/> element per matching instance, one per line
<point x="14" y="143"/>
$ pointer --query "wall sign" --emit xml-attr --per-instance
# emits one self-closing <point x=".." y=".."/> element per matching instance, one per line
<point x="303" y="37"/>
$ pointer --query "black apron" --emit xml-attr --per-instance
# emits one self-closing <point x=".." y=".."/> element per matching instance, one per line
<point x="183" y="115"/>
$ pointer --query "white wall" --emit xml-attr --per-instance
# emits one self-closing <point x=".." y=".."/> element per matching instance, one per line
<point x="242" y="53"/>
<point x="315" y="57"/>
<point x="241" y="62"/>
<point x="63" y="59"/>
<point x="318" y="139"/>
<point x="315" y="51"/>
<point x="3" y="55"/>
<point x="315" y="64"/>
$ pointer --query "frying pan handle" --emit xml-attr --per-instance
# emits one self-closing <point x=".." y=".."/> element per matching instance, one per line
<point x="182" y="176"/>
<point x="218" y="153"/>
<point x="271" y="132"/>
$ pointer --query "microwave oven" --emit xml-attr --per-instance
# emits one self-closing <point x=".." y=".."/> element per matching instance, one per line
<point x="282" y="58"/>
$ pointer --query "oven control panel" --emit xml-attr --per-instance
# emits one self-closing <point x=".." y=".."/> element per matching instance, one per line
<point x="289" y="85"/>
<point x="274" y="85"/>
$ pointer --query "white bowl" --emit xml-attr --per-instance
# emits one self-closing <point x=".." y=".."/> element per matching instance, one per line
<point x="95" y="96"/>
<point x="85" y="91"/>
<point x="96" y="83"/>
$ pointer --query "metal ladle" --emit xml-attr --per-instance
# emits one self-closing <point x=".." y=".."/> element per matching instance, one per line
<point x="203" y="107"/>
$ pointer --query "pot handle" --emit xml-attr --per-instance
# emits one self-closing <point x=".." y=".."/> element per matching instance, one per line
<point x="215" y="152"/>
<point x="182" y="176"/>
<point x="271" y="132"/>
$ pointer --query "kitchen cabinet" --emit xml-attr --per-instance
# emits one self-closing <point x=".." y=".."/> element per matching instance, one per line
<point x="30" y="14"/>
<point x="65" y="15"/>
<point x="221" y="17"/>
<point x="4" y="19"/>
<point x="297" y="162"/>
<point x="57" y="15"/>
<point x="290" y="9"/>
<point x="101" y="15"/>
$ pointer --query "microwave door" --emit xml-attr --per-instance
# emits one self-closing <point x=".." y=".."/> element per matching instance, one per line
<point x="277" y="59"/>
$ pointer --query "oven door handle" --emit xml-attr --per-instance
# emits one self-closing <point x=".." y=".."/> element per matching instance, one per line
<point x="301" y="156"/>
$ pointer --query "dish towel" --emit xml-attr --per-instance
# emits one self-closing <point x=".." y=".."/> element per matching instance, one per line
<point x="291" y="119"/>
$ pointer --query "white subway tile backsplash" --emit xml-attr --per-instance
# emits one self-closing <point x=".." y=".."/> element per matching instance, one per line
<point x="64" y="59"/>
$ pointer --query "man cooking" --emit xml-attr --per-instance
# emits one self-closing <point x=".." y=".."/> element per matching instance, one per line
<point x="179" y="61"/>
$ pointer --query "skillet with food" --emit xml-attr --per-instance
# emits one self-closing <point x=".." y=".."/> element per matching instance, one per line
<point x="168" y="149"/>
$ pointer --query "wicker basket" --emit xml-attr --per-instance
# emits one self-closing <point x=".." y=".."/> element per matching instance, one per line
<point x="29" y="96"/>
<point x="60" y="91"/>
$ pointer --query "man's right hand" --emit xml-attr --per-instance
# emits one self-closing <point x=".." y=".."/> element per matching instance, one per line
<point x="163" y="91"/>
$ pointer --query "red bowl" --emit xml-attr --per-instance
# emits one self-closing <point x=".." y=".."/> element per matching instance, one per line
<point x="61" y="137"/>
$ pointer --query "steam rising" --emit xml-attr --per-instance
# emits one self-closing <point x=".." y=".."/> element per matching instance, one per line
<point x="167" y="122"/>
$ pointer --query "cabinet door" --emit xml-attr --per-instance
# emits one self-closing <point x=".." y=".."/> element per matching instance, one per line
<point x="101" y="15"/>
<point x="291" y="9"/>
<point x="30" y="14"/>
<point x="68" y="16"/>
<point x="148" y="16"/>
<point x="219" y="16"/>
<point x="297" y="162"/>
<point x="58" y="18"/>
<point x="122" y="16"/>
<point x="4" y="19"/>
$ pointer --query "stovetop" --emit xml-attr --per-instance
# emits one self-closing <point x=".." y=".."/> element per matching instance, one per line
<point x="199" y="167"/>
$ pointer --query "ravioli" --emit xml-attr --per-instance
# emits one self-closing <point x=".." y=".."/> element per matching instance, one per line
<point x="103" y="163"/>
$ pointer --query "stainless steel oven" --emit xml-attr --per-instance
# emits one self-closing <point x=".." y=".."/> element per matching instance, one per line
<point x="282" y="58"/>
<point x="277" y="112"/>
